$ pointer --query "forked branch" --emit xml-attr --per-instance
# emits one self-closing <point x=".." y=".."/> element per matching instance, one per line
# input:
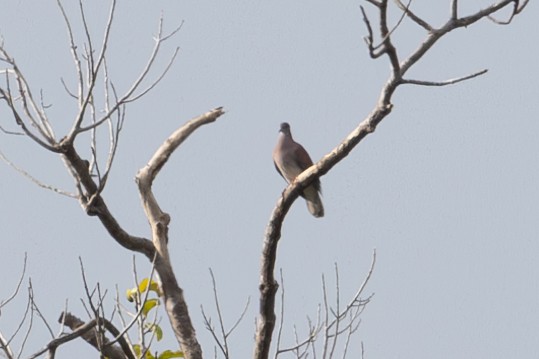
<point x="268" y="285"/>
<point x="221" y="338"/>
<point x="172" y="293"/>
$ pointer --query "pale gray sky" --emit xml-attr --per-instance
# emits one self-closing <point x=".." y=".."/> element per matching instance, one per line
<point x="446" y="189"/>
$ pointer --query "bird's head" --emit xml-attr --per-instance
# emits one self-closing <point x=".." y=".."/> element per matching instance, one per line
<point x="285" y="128"/>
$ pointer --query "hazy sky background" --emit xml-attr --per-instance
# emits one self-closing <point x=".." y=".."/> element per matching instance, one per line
<point x="446" y="189"/>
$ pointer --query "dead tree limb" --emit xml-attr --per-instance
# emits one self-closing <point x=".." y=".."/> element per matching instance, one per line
<point x="173" y="298"/>
<point x="268" y="285"/>
<point x="90" y="177"/>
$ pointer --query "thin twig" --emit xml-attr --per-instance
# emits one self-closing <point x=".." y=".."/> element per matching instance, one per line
<point x="326" y="317"/>
<point x="93" y="73"/>
<point x="23" y="320"/>
<point x="31" y="320"/>
<point x="240" y="318"/>
<point x="413" y="16"/>
<point x="516" y="11"/>
<point x="211" y="329"/>
<point x="4" y="302"/>
<point x="382" y="42"/>
<point x="74" y="54"/>
<point x="281" y="317"/>
<point x="6" y="95"/>
<point x="444" y="83"/>
<point x="140" y="310"/>
<point x="337" y="314"/>
<point x="160" y="38"/>
<point x="35" y="180"/>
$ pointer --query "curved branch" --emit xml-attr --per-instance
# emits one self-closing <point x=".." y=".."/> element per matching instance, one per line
<point x="173" y="298"/>
<point x="516" y="10"/>
<point x="5" y="302"/>
<point x="95" y="205"/>
<point x="35" y="180"/>
<point x="443" y="83"/>
<point x="268" y="285"/>
<point x="413" y="16"/>
<point x="90" y="335"/>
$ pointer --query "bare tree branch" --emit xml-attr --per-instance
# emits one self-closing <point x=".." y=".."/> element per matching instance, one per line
<point x="93" y="337"/>
<point x="304" y="345"/>
<point x="240" y="318"/>
<point x="27" y="314"/>
<point x="90" y="66"/>
<point x="35" y="180"/>
<point x="454" y="9"/>
<point x="385" y="47"/>
<point x="7" y="96"/>
<point x="444" y="83"/>
<point x="4" y="345"/>
<point x="28" y="105"/>
<point x="413" y="16"/>
<point x="140" y="302"/>
<point x="159" y="220"/>
<point x="5" y="302"/>
<point x="7" y="132"/>
<point x="516" y="10"/>
<point x="93" y="70"/>
<point x="268" y="285"/>
<point x="223" y="345"/>
<point x="160" y="77"/>
<point x="220" y="316"/>
<point x="74" y="54"/>
<point x="281" y="320"/>
<point x="129" y="95"/>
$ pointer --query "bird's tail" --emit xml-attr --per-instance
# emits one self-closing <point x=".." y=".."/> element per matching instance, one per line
<point x="314" y="202"/>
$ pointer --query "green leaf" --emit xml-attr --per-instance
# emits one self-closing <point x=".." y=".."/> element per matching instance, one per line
<point x="138" y="352"/>
<point x="158" y="332"/>
<point x="170" y="354"/>
<point x="156" y="329"/>
<point x="143" y="285"/>
<point x="131" y="294"/>
<point x="148" y="305"/>
<point x="153" y="286"/>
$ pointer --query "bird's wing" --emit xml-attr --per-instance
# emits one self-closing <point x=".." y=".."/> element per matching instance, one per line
<point x="301" y="157"/>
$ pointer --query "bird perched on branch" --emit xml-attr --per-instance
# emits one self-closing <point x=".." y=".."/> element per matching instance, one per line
<point x="290" y="159"/>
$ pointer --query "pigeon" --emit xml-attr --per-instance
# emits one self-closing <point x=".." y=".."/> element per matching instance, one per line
<point x="291" y="159"/>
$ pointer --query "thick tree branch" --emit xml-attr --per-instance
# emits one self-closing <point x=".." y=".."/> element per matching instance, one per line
<point x="268" y="285"/>
<point x="4" y="346"/>
<point x="91" y="335"/>
<point x="89" y="67"/>
<point x="172" y="293"/>
<point x="95" y="205"/>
